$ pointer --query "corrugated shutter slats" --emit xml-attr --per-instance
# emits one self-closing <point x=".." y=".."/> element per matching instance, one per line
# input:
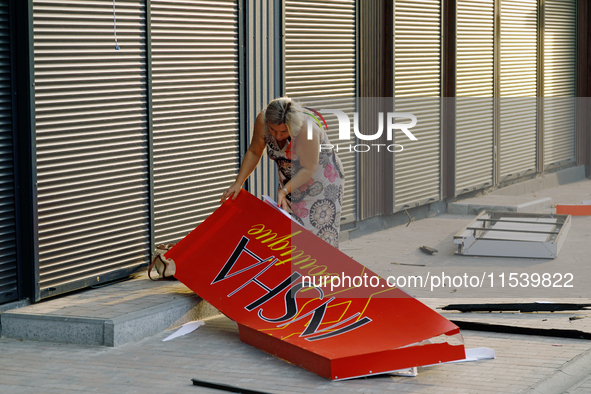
<point x="8" y="272"/>
<point x="559" y="81"/>
<point x="320" y="62"/>
<point x="195" y="111"/>
<point x="91" y="141"/>
<point x="263" y="78"/>
<point x="518" y="84"/>
<point x="417" y="89"/>
<point x="474" y="90"/>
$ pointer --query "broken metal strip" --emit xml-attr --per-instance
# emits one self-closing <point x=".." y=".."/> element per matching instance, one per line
<point x="477" y="326"/>
<point x="224" y="387"/>
<point x="517" y="306"/>
<point x="523" y="215"/>
<point x="504" y="239"/>
<point x="511" y="230"/>
<point x="520" y="221"/>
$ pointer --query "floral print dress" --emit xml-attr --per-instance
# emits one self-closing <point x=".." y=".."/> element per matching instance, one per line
<point x="316" y="205"/>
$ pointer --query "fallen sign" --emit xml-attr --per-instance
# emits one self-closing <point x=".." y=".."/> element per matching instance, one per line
<point x="513" y="234"/>
<point x="261" y="270"/>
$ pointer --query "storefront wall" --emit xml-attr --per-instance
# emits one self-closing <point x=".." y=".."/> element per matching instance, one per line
<point x="514" y="51"/>
<point x="262" y="78"/>
<point x="195" y="111"/>
<point x="134" y="143"/>
<point x="320" y="49"/>
<point x="8" y="262"/>
<point x="132" y="147"/>
<point x="91" y="141"/>
<point x="417" y="88"/>
<point x="475" y="63"/>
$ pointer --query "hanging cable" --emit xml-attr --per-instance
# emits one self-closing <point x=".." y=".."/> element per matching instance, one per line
<point x="115" y="26"/>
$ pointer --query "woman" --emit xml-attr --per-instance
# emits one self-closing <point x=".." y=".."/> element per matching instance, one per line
<point x="311" y="179"/>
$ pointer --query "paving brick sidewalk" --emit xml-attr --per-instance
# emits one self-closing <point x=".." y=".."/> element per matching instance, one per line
<point x="215" y="353"/>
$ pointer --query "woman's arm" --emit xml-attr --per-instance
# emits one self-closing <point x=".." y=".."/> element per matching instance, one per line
<point x="308" y="152"/>
<point x="251" y="158"/>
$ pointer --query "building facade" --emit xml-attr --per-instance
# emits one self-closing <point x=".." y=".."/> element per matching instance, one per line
<point x="123" y="121"/>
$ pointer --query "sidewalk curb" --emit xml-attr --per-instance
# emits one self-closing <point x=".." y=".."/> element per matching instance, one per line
<point x="111" y="332"/>
<point x="565" y="377"/>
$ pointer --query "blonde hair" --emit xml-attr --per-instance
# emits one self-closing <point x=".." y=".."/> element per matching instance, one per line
<point x="285" y="110"/>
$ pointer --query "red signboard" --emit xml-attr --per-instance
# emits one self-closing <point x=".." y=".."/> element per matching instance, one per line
<point x="575" y="210"/>
<point x="297" y="297"/>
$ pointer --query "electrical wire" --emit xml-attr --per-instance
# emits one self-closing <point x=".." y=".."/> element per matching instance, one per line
<point x="115" y="26"/>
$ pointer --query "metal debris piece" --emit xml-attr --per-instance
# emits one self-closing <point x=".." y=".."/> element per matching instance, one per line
<point x="522" y="307"/>
<point x="409" y="218"/>
<point x="428" y="250"/>
<point x="412" y="265"/>
<point x="576" y="318"/>
<point x="561" y="333"/>
<point x="513" y="234"/>
<point x="224" y="387"/>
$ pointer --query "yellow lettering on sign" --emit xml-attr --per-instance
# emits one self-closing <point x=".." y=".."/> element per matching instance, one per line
<point x="283" y="243"/>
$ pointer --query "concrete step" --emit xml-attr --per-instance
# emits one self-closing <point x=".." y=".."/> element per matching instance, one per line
<point x="108" y="316"/>
<point x="473" y="206"/>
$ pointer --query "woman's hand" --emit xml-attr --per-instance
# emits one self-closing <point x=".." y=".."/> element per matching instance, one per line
<point x="282" y="201"/>
<point x="232" y="191"/>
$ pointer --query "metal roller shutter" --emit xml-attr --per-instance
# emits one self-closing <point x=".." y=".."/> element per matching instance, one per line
<point x="263" y="78"/>
<point x="417" y="89"/>
<point x="195" y="111"/>
<point x="474" y="91"/>
<point x="320" y="61"/>
<point x="559" y="82"/>
<point x="518" y="80"/>
<point x="8" y="272"/>
<point x="91" y="142"/>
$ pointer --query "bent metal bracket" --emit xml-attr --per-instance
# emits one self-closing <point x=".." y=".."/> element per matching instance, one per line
<point x="255" y="265"/>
